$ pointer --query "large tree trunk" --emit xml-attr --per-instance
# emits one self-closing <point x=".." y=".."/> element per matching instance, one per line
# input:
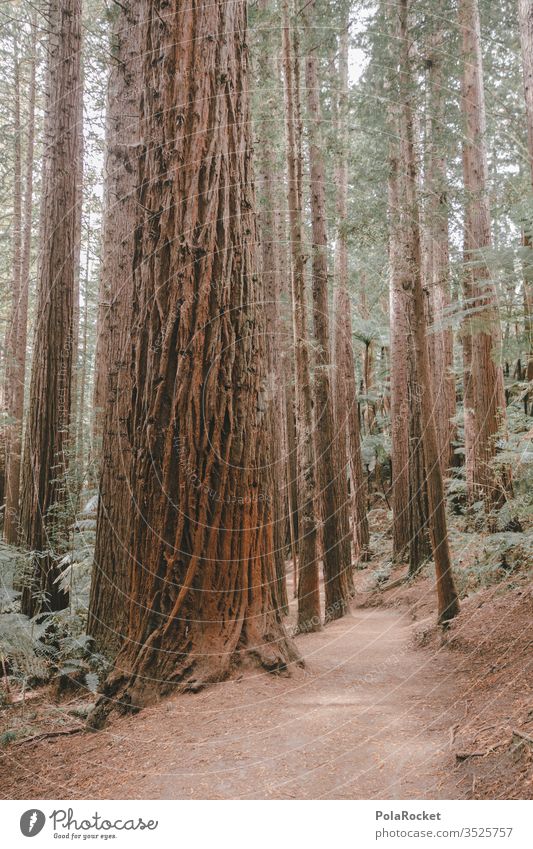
<point x="44" y="495"/>
<point x="308" y="575"/>
<point x="448" y="605"/>
<point x="331" y="463"/>
<point x="484" y="397"/>
<point x="438" y="282"/>
<point x="203" y="588"/>
<point x="109" y="602"/>
<point x="12" y="395"/>
<point x="345" y="386"/>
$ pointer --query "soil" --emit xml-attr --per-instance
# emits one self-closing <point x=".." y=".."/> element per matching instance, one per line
<point x="387" y="707"/>
<point x="489" y="651"/>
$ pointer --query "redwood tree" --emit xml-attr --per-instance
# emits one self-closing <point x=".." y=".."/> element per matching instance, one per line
<point x="270" y="255"/>
<point x="484" y="397"/>
<point x="44" y="495"/>
<point x="330" y="462"/>
<point x="13" y="396"/>
<point x="108" y="607"/>
<point x="438" y="270"/>
<point x="203" y="584"/>
<point x="308" y="575"/>
<point x="448" y="604"/>
<point x="525" y="19"/>
<point x="410" y="509"/>
<point x="345" y="385"/>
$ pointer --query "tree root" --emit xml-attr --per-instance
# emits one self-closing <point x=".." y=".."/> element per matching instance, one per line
<point x="129" y="693"/>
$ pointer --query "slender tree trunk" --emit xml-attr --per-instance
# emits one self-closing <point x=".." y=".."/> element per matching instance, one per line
<point x="110" y="588"/>
<point x="330" y="462"/>
<point x="203" y="582"/>
<point x="308" y="586"/>
<point x="75" y="388"/>
<point x="399" y="336"/>
<point x="44" y="495"/>
<point x="272" y="286"/>
<point x="12" y="395"/>
<point x="369" y="415"/>
<point x="80" y="423"/>
<point x="410" y="502"/>
<point x="438" y="281"/>
<point x="345" y="387"/>
<point x="525" y="18"/>
<point x="484" y="397"/>
<point x="12" y="524"/>
<point x="448" y="605"/>
<point x="419" y="543"/>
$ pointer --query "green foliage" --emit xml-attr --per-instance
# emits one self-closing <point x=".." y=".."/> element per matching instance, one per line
<point x="51" y="646"/>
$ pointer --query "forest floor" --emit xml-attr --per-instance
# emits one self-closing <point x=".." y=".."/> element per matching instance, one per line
<point x="368" y="718"/>
<point x="388" y="706"/>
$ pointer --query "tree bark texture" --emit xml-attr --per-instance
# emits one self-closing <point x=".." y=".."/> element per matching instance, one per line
<point x="272" y="286"/>
<point x="110" y="588"/>
<point x="203" y="588"/>
<point x="484" y="397"/>
<point x="438" y="282"/>
<point x="308" y="574"/>
<point x="525" y="19"/>
<point x="333" y="494"/>
<point x="44" y="496"/>
<point x="345" y="385"/>
<point x="12" y="393"/>
<point x="448" y="604"/>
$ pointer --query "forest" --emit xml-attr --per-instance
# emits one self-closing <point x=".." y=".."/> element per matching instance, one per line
<point x="266" y="399"/>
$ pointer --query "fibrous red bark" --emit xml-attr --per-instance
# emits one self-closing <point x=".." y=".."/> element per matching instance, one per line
<point x="331" y="465"/>
<point x="308" y="574"/>
<point x="44" y="496"/>
<point x="448" y="604"/>
<point x="203" y="582"/>
<point x="484" y="396"/>
<point x="110" y="586"/>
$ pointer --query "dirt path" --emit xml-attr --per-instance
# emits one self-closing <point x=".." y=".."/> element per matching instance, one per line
<point x="370" y="717"/>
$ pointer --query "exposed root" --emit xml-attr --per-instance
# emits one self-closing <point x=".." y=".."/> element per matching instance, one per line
<point x="125" y="694"/>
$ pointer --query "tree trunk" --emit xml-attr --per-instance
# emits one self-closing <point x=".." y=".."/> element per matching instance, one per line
<point x="12" y="393"/>
<point x="525" y="18"/>
<point x="110" y="588"/>
<point x="448" y="605"/>
<point x="44" y="495"/>
<point x="271" y="286"/>
<point x="484" y="397"/>
<point x="369" y="415"/>
<point x="438" y="282"/>
<point x="419" y="543"/>
<point x="345" y="386"/>
<point x="75" y="387"/>
<point x="399" y="336"/>
<point x="80" y="421"/>
<point x="308" y="578"/>
<point x="203" y="588"/>
<point x="12" y="523"/>
<point x="331" y="464"/>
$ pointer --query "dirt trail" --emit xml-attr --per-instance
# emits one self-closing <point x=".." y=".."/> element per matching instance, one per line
<point x="370" y="717"/>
